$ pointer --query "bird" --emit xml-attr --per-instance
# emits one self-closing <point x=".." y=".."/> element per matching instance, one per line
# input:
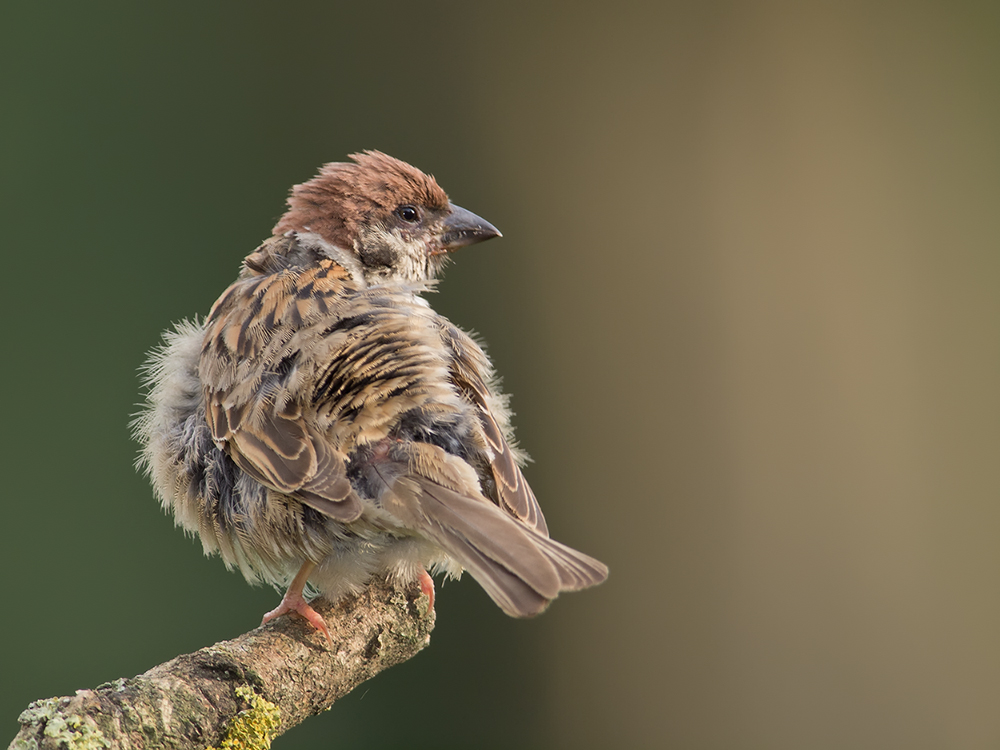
<point x="323" y="425"/>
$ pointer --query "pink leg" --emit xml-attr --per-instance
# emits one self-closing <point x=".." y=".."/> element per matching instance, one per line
<point x="293" y="601"/>
<point x="427" y="587"/>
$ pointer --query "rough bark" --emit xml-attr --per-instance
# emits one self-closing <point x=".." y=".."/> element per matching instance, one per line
<point x="244" y="692"/>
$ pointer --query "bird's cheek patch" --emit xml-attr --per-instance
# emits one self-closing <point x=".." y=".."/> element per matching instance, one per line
<point x="378" y="256"/>
<point x="379" y="249"/>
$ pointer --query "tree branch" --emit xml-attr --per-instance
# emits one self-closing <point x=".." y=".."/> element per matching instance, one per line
<point x="244" y="692"/>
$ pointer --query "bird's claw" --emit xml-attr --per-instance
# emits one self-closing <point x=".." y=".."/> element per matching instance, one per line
<point x="294" y="603"/>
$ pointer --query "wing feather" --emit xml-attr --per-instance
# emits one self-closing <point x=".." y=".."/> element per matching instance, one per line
<point x="248" y="407"/>
<point x="470" y="373"/>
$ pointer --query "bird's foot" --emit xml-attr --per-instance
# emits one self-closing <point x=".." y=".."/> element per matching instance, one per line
<point x="293" y="602"/>
<point x="427" y="587"/>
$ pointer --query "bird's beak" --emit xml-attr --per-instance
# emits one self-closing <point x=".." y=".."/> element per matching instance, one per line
<point x="463" y="228"/>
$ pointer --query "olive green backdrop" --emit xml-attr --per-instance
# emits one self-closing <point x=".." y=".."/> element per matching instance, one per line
<point x="747" y="300"/>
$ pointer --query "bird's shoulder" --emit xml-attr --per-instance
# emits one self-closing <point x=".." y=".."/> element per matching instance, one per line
<point x="263" y="299"/>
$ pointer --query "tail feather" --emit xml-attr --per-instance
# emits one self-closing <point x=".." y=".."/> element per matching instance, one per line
<point x="576" y="570"/>
<point x="515" y="597"/>
<point x="520" y="568"/>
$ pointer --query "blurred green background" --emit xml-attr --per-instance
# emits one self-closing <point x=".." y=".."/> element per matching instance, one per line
<point x="747" y="301"/>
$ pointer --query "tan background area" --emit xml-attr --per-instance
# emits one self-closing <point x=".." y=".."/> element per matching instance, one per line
<point x="747" y="301"/>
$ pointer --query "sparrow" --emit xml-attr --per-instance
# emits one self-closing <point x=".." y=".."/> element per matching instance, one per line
<point x="323" y="425"/>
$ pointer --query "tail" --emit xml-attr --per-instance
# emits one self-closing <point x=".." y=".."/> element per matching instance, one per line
<point x="520" y="568"/>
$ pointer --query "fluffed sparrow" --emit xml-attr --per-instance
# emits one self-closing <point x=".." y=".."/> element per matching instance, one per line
<point x="323" y="424"/>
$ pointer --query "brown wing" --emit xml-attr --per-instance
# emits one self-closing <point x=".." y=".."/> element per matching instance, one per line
<point x="470" y="373"/>
<point x="284" y="454"/>
<point x="248" y="358"/>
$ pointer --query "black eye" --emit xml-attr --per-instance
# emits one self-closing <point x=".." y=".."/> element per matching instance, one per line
<point x="409" y="214"/>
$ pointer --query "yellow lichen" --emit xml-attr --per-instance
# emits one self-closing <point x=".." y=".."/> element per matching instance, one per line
<point x="254" y="727"/>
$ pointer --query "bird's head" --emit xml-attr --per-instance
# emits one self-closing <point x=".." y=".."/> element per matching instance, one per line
<point x="393" y="219"/>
